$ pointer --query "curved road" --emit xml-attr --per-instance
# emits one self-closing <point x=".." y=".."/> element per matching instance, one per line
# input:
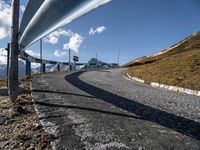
<point x="101" y="110"/>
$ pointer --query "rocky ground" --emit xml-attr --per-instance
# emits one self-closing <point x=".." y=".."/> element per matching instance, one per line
<point x="19" y="125"/>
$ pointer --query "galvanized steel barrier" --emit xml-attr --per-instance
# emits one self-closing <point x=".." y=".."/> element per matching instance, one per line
<point x="40" y="18"/>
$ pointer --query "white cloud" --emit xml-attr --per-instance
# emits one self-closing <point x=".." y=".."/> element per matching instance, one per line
<point x="22" y="8"/>
<point x="3" y="56"/>
<point x="74" y="42"/>
<point x="32" y="53"/>
<point x="5" y="19"/>
<point x="54" y="36"/>
<point x="60" y="53"/>
<point x="98" y="30"/>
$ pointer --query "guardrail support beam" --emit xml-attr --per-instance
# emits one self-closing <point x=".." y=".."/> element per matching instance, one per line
<point x="58" y="66"/>
<point x="41" y="65"/>
<point x="28" y="68"/>
<point x="43" y="68"/>
<point x="8" y="54"/>
<point x="74" y="65"/>
<point x="13" y="58"/>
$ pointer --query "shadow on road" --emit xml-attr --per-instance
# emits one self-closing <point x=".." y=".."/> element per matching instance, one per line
<point x="86" y="109"/>
<point x="180" y="124"/>
<point x="59" y="92"/>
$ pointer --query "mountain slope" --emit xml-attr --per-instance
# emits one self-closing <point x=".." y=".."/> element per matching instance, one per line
<point x="178" y="65"/>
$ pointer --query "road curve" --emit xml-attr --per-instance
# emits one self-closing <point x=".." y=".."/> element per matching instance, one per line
<point x="102" y="110"/>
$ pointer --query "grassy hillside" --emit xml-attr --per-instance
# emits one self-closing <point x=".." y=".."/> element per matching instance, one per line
<point x="178" y="65"/>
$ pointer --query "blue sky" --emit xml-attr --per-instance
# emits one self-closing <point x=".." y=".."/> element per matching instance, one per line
<point x="135" y="27"/>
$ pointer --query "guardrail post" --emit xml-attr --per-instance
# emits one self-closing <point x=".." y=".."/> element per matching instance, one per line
<point x="74" y="65"/>
<point x="58" y="66"/>
<point x="43" y="68"/>
<point x="41" y="65"/>
<point x="28" y="68"/>
<point x="13" y="58"/>
<point x="8" y="54"/>
<point x="70" y="65"/>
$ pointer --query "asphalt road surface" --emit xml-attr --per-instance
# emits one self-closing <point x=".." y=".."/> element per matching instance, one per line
<point x="101" y="110"/>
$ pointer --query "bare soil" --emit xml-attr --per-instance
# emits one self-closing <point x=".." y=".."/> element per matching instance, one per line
<point x="19" y="124"/>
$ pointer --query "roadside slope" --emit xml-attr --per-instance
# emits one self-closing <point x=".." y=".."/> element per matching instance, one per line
<point x="177" y="66"/>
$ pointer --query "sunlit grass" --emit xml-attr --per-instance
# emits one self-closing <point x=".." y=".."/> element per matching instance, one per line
<point x="178" y="67"/>
<point x="2" y="83"/>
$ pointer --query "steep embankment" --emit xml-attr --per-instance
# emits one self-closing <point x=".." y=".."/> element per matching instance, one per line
<point x="178" y="65"/>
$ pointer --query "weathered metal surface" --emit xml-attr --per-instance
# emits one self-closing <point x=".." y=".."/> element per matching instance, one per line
<point x="28" y="68"/>
<point x="53" y="14"/>
<point x="26" y="56"/>
<point x="43" y="68"/>
<point x="31" y="8"/>
<point x="13" y="58"/>
<point x="8" y="54"/>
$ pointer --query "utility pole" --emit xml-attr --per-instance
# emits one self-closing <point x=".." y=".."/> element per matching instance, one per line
<point x="118" y="57"/>
<point x="13" y="58"/>
<point x="97" y="60"/>
<point x="41" y="65"/>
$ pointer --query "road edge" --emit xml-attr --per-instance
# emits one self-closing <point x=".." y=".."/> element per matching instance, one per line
<point x="164" y="86"/>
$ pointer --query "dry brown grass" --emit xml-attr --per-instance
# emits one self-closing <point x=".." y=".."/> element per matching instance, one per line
<point x="22" y="131"/>
<point x="2" y="83"/>
<point x="19" y="124"/>
<point x="178" y="67"/>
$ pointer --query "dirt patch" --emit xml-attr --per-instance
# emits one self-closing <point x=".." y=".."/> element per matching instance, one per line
<point x="19" y="125"/>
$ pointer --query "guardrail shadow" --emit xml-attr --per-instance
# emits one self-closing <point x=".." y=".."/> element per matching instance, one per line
<point x="86" y="109"/>
<point x="60" y="92"/>
<point x="180" y="124"/>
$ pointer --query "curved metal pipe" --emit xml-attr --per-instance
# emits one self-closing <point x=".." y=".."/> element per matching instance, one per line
<point x="26" y="56"/>
<point x="54" y="14"/>
<point x="31" y="8"/>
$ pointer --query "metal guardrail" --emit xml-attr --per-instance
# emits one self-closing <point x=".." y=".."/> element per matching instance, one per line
<point x="43" y="17"/>
<point x="25" y="56"/>
<point x="40" y="19"/>
<point x="30" y="59"/>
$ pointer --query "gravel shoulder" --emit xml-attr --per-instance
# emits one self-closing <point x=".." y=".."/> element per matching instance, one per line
<point x="102" y="110"/>
<point x="19" y="124"/>
<point x="20" y="130"/>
